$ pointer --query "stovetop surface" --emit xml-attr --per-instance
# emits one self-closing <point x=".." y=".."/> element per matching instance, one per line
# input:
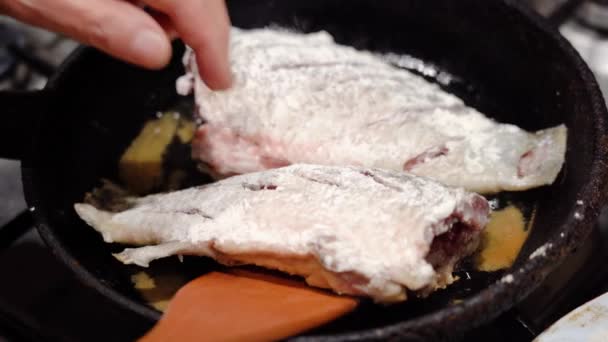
<point x="53" y="305"/>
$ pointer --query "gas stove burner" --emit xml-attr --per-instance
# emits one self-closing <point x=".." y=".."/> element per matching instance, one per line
<point x="594" y="14"/>
<point x="10" y="38"/>
<point x="28" y="55"/>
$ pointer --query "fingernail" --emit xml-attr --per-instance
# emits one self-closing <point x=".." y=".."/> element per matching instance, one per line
<point x="150" y="47"/>
<point x="227" y="80"/>
<point x="219" y="78"/>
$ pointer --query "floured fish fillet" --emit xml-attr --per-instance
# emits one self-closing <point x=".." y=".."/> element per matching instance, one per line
<point x="301" y="98"/>
<point x="357" y="231"/>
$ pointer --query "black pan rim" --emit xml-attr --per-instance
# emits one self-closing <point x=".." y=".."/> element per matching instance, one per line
<point x="41" y="223"/>
<point x="564" y="242"/>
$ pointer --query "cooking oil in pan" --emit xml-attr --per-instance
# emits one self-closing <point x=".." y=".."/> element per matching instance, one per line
<point x="502" y="239"/>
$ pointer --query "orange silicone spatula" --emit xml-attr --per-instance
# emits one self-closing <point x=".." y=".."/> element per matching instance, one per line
<point x="245" y="306"/>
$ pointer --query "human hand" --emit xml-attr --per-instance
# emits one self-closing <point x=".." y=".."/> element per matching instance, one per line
<point x="124" y="30"/>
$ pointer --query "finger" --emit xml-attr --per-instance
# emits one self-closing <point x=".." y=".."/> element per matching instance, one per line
<point x="165" y="22"/>
<point x="162" y="19"/>
<point x="203" y="25"/>
<point x="117" y="27"/>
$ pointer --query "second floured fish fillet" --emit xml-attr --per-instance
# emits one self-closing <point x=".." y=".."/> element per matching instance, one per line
<point x="356" y="231"/>
<point x="302" y="98"/>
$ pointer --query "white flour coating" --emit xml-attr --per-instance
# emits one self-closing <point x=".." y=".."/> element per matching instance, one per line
<point x="412" y="63"/>
<point x="507" y="279"/>
<point x="541" y="251"/>
<point x="301" y="98"/>
<point x="375" y="224"/>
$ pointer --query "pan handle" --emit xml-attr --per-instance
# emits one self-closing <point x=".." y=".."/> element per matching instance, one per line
<point x="19" y="110"/>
